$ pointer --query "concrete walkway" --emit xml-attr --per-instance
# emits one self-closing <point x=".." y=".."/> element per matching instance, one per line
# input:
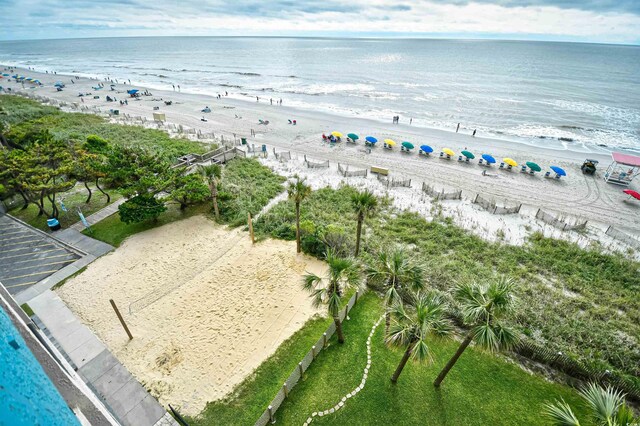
<point x="99" y="215"/>
<point x="128" y="401"/>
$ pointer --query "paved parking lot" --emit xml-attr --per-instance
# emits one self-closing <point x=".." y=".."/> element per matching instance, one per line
<point x="28" y="256"/>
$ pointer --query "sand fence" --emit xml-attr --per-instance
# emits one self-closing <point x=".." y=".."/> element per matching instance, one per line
<point x="623" y="237"/>
<point x="268" y="416"/>
<point x="561" y="222"/>
<point x="315" y="164"/>
<point x="282" y="155"/>
<point x="393" y="182"/>
<point x="346" y="172"/>
<point x="441" y="195"/>
<point x="492" y="207"/>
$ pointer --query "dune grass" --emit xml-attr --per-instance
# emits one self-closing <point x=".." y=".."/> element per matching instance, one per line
<point x="581" y="302"/>
<point x="27" y="116"/>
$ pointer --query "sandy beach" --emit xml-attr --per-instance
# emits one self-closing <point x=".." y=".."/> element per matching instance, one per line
<point x="205" y="306"/>
<point x="575" y="195"/>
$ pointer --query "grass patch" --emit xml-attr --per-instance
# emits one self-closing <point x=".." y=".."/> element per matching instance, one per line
<point x="581" y="302"/>
<point x="27" y="309"/>
<point x="247" y="186"/>
<point x="113" y="231"/>
<point x="15" y="109"/>
<point x="75" y="198"/>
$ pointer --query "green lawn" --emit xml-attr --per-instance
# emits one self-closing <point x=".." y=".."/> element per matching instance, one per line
<point x="75" y="198"/>
<point x="482" y="389"/>
<point x="113" y="231"/>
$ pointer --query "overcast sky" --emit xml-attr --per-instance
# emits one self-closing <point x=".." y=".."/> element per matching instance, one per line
<point x="607" y="21"/>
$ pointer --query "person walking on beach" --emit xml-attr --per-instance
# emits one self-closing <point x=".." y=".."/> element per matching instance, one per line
<point x="280" y="101"/>
<point x="178" y="87"/>
<point x="226" y="93"/>
<point x="174" y="87"/>
<point x="410" y="121"/>
<point x="458" y="128"/>
<point x="474" y="133"/>
<point x="257" y="99"/>
<point x="271" y="100"/>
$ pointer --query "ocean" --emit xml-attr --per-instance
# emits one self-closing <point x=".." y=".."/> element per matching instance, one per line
<point x="585" y="96"/>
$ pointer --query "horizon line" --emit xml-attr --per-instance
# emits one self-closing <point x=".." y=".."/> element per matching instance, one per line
<point x="343" y="37"/>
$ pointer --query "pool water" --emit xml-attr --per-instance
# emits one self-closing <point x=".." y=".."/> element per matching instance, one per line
<point x="27" y="396"/>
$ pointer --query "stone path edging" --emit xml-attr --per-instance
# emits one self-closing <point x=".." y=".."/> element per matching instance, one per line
<point x="354" y="392"/>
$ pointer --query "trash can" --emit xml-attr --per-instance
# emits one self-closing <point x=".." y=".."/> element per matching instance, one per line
<point x="53" y="224"/>
<point x="244" y="141"/>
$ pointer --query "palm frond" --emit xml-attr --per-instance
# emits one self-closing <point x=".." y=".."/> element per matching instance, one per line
<point x="310" y="281"/>
<point x="604" y="402"/>
<point x="561" y="414"/>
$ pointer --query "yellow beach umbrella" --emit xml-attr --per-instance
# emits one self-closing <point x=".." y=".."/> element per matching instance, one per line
<point x="337" y="134"/>
<point x="510" y="161"/>
<point x="390" y="142"/>
<point x="448" y="152"/>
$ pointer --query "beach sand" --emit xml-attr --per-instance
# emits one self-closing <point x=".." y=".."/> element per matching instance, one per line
<point x="576" y="196"/>
<point x="205" y="306"/>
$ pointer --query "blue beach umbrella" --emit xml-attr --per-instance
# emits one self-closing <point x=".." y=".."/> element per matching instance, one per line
<point x="489" y="159"/>
<point x="132" y="91"/>
<point x="558" y="170"/>
<point x="426" y="148"/>
<point x="371" y="139"/>
<point x="59" y="84"/>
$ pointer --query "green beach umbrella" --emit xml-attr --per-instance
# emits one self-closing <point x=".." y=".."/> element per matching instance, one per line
<point x="353" y="136"/>
<point x="533" y="166"/>
<point x="407" y="145"/>
<point x="468" y="154"/>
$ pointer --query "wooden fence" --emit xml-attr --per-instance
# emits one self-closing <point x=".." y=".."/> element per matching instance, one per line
<point x="441" y="195"/>
<point x="559" y="223"/>
<point x="268" y="416"/>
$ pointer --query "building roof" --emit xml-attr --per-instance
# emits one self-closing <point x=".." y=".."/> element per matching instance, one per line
<point x="626" y="159"/>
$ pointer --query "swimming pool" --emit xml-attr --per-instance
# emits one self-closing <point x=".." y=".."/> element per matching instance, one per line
<point x="27" y="396"/>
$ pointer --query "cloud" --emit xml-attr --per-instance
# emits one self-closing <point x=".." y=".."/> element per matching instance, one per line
<point x="581" y="20"/>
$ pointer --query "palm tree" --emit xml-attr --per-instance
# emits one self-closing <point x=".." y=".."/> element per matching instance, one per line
<point x="411" y="328"/>
<point x="608" y="406"/>
<point x="298" y="191"/>
<point x="342" y="275"/>
<point x="482" y="305"/>
<point x="212" y="175"/>
<point x="394" y="272"/>
<point x="365" y="205"/>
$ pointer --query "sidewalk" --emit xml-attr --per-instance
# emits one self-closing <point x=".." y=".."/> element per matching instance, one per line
<point x="128" y="401"/>
<point x="99" y="215"/>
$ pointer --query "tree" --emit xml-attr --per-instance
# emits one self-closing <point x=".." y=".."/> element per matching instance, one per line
<point x="99" y="161"/>
<point x="298" y="191"/>
<point x="189" y="190"/>
<point x="39" y="171"/>
<point x="482" y="305"/>
<point x="608" y="407"/>
<point x="136" y="171"/>
<point x="212" y="174"/>
<point x="394" y="273"/>
<point x="140" y="208"/>
<point x="412" y="327"/>
<point x="365" y="205"/>
<point x="342" y="275"/>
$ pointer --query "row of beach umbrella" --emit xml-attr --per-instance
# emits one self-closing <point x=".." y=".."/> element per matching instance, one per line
<point x="449" y="152"/>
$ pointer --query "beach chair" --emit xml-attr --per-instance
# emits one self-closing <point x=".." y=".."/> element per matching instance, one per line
<point x="547" y="175"/>
<point x="509" y="167"/>
<point x="421" y="152"/>
<point x="523" y="169"/>
<point x="481" y="162"/>
<point x="502" y="165"/>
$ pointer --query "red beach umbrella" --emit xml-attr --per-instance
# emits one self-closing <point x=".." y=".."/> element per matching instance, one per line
<point x="634" y="194"/>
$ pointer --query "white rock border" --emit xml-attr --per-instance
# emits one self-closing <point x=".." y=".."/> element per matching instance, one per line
<point x="354" y="392"/>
